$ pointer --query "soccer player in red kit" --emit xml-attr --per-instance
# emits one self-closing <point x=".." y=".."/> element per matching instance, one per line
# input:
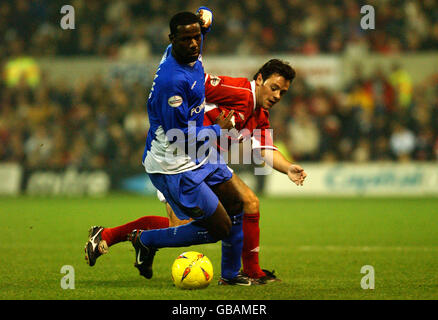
<point x="249" y="102"/>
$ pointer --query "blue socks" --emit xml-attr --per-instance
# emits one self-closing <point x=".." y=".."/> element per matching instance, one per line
<point x="193" y="234"/>
<point x="232" y="249"/>
<point x="181" y="236"/>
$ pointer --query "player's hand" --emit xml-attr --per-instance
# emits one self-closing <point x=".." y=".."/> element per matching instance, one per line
<point x="225" y="122"/>
<point x="206" y="17"/>
<point x="296" y="174"/>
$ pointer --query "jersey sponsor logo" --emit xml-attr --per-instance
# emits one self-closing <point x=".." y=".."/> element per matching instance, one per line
<point x="175" y="101"/>
<point x="197" y="109"/>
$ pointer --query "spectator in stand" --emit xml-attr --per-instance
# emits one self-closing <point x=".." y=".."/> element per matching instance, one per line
<point x="402" y="84"/>
<point x="289" y="26"/>
<point x="349" y="124"/>
<point x="303" y="127"/>
<point x="402" y="142"/>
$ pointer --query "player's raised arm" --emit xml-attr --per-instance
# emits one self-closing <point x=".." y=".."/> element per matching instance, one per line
<point x="206" y="16"/>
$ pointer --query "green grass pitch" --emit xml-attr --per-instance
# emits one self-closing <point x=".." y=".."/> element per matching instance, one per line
<point x="317" y="247"/>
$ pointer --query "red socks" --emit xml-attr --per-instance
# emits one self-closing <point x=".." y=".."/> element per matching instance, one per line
<point x="119" y="234"/>
<point x="251" y="245"/>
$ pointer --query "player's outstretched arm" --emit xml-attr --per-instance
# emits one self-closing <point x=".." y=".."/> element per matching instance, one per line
<point x="276" y="160"/>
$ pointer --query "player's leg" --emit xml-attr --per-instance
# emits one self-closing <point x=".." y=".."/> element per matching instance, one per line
<point x="199" y="204"/>
<point x="251" y="229"/>
<point x="118" y="234"/>
<point x="232" y="245"/>
<point x="100" y="238"/>
<point x="209" y="230"/>
<point x="231" y="253"/>
<point x="173" y="219"/>
<point x="189" y="200"/>
<point x="251" y="232"/>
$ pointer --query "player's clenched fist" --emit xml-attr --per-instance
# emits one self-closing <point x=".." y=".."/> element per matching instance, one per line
<point x="206" y="17"/>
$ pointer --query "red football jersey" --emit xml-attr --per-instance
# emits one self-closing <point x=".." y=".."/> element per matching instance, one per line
<point x="238" y="94"/>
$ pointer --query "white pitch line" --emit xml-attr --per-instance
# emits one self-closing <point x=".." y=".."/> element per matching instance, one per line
<point x="366" y="248"/>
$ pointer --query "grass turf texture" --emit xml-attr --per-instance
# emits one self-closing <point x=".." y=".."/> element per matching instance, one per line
<point x="316" y="246"/>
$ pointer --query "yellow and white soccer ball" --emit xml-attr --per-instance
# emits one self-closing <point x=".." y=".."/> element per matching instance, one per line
<point x="192" y="270"/>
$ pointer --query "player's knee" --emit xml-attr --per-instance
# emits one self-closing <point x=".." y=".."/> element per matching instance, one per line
<point x="218" y="225"/>
<point x="222" y="230"/>
<point x="235" y="207"/>
<point x="251" y="203"/>
<point x="225" y="231"/>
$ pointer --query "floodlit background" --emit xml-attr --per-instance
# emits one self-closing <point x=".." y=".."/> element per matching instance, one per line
<point x="74" y="101"/>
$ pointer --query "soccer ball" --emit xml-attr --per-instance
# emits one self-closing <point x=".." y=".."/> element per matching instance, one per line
<point x="192" y="270"/>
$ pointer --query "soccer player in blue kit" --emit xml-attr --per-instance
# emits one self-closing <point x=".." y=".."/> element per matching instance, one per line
<point x="195" y="187"/>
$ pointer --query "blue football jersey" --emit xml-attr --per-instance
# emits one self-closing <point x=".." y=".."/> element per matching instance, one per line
<point x="177" y="141"/>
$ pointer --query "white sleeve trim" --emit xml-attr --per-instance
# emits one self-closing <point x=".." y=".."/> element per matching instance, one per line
<point x="210" y="106"/>
<point x="256" y="145"/>
<point x="253" y="93"/>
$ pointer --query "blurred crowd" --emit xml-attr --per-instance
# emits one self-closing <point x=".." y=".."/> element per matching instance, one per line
<point x="136" y="29"/>
<point x="377" y="117"/>
<point x="93" y="124"/>
<point x="102" y="123"/>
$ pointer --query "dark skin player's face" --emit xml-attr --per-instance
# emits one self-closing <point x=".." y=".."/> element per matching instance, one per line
<point x="186" y="43"/>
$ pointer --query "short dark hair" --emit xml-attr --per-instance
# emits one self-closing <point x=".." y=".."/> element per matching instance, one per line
<point x="276" y="66"/>
<point x="182" y="19"/>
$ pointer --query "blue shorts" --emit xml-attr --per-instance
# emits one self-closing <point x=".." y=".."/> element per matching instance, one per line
<point x="189" y="193"/>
